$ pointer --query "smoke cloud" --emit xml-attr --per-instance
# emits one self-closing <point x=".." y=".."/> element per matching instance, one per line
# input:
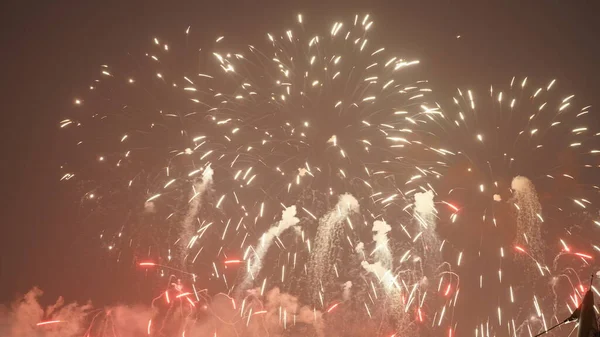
<point x="276" y="314"/>
<point x="27" y="318"/>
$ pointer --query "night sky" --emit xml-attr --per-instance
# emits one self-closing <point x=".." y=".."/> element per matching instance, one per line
<point x="51" y="50"/>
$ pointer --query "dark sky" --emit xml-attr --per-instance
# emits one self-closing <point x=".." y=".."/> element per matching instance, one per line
<point x="51" y="49"/>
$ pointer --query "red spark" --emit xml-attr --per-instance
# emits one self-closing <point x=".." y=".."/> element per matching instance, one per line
<point x="149" y="325"/>
<point x="147" y="264"/>
<point x="520" y="248"/>
<point x="420" y="315"/>
<point x="447" y="290"/>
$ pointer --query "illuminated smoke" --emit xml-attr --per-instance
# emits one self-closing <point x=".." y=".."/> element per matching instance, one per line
<point x="276" y="314"/>
<point x="27" y="318"/>
<point x="150" y="207"/>
<point x="382" y="253"/>
<point x="346" y="290"/>
<point x="382" y="248"/>
<point x="376" y="269"/>
<point x="360" y="248"/>
<point x="302" y="171"/>
<point x="424" y="203"/>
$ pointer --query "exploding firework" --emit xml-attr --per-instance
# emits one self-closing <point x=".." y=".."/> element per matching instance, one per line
<point x="274" y="167"/>
<point x="512" y="171"/>
<point x="282" y="168"/>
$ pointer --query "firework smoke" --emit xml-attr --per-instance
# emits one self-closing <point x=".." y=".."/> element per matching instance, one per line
<point x="383" y="255"/>
<point x="347" y="290"/>
<point x="28" y="318"/>
<point x="382" y="249"/>
<point x="279" y="315"/>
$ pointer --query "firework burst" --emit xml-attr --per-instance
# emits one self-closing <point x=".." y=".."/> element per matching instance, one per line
<point x="297" y="143"/>
<point x="512" y="169"/>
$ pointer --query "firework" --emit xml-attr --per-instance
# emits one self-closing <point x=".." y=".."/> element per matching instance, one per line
<point x="282" y="156"/>
<point x="511" y="168"/>
<point x="313" y="163"/>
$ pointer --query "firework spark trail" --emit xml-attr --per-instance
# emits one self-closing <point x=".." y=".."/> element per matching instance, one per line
<point x="195" y="203"/>
<point x="328" y="233"/>
<point x="529" y="223"/>
<point x="425" y="215"/>
<point x="383" y="269"/>
<point x="255" y="260"/>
